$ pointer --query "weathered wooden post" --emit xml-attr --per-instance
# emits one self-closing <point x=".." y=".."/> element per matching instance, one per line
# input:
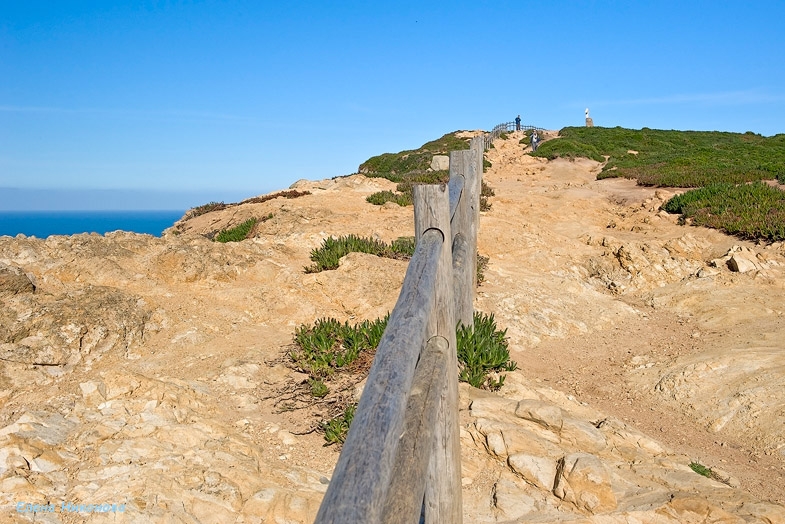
<point x="468" y="165"/>
<point x="443" y="499"/>
<point x="360" y="484"/>
<point x="402" y="454"/>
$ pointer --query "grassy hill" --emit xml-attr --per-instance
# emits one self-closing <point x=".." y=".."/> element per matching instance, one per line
<point x="728" y="169"/>
<point x="411" y="167"/>
<point x="674" y="158"/>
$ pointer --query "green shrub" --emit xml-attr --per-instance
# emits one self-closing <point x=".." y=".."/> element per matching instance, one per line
<point x="336" y="429"/>
<point x="318" y="388"/>
<point x="700" y="469"/>
<point x="237" y="233"/>
<point x="204" y="208"/>
<point x="404" y="195"/>
<point x="410" y="167"/>
<point x="483" y="352"/>
<point x="403" y="246"/>
<point x="419" y="160"/>
<point x="333" y="249"/>
<point x="329" y="345"/>
<point x="566" y="148"/>
<point x="485" y="192"/>
<point x="482" y="265"/>
<point x="727" y="165"/>
<point x="382" y="197"/>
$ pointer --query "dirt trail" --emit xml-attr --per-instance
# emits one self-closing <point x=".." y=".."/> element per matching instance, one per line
<point x="611" y="346"/>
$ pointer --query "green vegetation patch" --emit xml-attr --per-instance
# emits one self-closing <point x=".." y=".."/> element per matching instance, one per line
<point x="486" y="192"/>
<point x="700" y="469"/>
<point x="482" y="265"/>
<point x="410" y="167"/>
<point x="329" y="345"/>
<point x="483" y="353"/>
<point x="336" y="429"/>
<point x="328" y="255"/>
<point x="397" y="166"/>
<point x="292" y="193"/>
<point x="241" y="231"/>
<point x="237" y="233"/>
<point x="729" y="167"/>
<point x="337" y="356"/>
<point x="707" y="472"/>
<point x="673" y="158"/>
<point x="382" y="197"/>
<point x="205" y="208"/>
<point x="218" y="206"/>
<point x="750" y="211"/>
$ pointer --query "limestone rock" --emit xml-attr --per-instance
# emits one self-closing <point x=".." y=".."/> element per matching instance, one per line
<point x="741" y="259"/>
<point x="742" y="262"/>
<point x="14" y="281"/>
<point x="67" y="329"/>
<point x="440" y="163"/>
<point x="583" y="435"/>
<point x="539" y="471"/>
<point x="583" y="480"/>
<point x="543" y="413"/>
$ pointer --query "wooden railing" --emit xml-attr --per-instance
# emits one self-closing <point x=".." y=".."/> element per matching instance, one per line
<point x="401" y="460"/>
<point x="504" y="128"/>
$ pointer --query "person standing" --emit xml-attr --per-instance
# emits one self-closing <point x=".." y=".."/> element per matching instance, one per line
<point x="518" y="123"/>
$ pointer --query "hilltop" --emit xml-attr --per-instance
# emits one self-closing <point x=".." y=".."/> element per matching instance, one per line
<point x="151" y="371"/>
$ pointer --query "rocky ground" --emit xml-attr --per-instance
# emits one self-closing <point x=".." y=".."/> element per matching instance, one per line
<point x="145" y="375"/>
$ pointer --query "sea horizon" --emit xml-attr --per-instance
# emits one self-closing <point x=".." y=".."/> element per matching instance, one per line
<point x="42" y="224"/>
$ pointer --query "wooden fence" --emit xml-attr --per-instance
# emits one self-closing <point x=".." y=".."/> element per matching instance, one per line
<point x="505" y="128"/>
<point x="401" y="460"/>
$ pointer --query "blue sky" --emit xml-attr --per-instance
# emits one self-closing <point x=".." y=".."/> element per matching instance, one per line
<point x="207" y="100"/>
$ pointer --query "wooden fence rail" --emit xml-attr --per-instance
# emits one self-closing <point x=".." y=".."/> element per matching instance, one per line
<point x="401" y="460"/>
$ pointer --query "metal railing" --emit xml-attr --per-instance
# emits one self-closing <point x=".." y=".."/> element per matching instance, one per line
<point x="506" y="127"/>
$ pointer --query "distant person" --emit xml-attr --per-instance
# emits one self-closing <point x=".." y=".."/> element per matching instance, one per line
<point x="535" y="140"/>
<point x="518" y="123"/>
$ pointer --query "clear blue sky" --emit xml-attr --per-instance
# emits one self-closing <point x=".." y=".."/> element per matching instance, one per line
<point x="232" y="99"/>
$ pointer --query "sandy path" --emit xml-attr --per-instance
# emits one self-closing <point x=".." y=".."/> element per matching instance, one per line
<point x="546" y="224"/>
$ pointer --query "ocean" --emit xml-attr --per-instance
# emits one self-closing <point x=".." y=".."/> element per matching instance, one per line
<point x="42" y="224"/>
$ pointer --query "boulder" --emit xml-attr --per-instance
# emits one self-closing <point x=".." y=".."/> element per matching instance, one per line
<point x="440" y="162"/>
<point x="14" y="281"/>
<point x="741" y="263"/>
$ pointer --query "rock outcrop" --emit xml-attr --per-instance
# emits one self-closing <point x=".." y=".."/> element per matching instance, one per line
<point x="546" y="456"/>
